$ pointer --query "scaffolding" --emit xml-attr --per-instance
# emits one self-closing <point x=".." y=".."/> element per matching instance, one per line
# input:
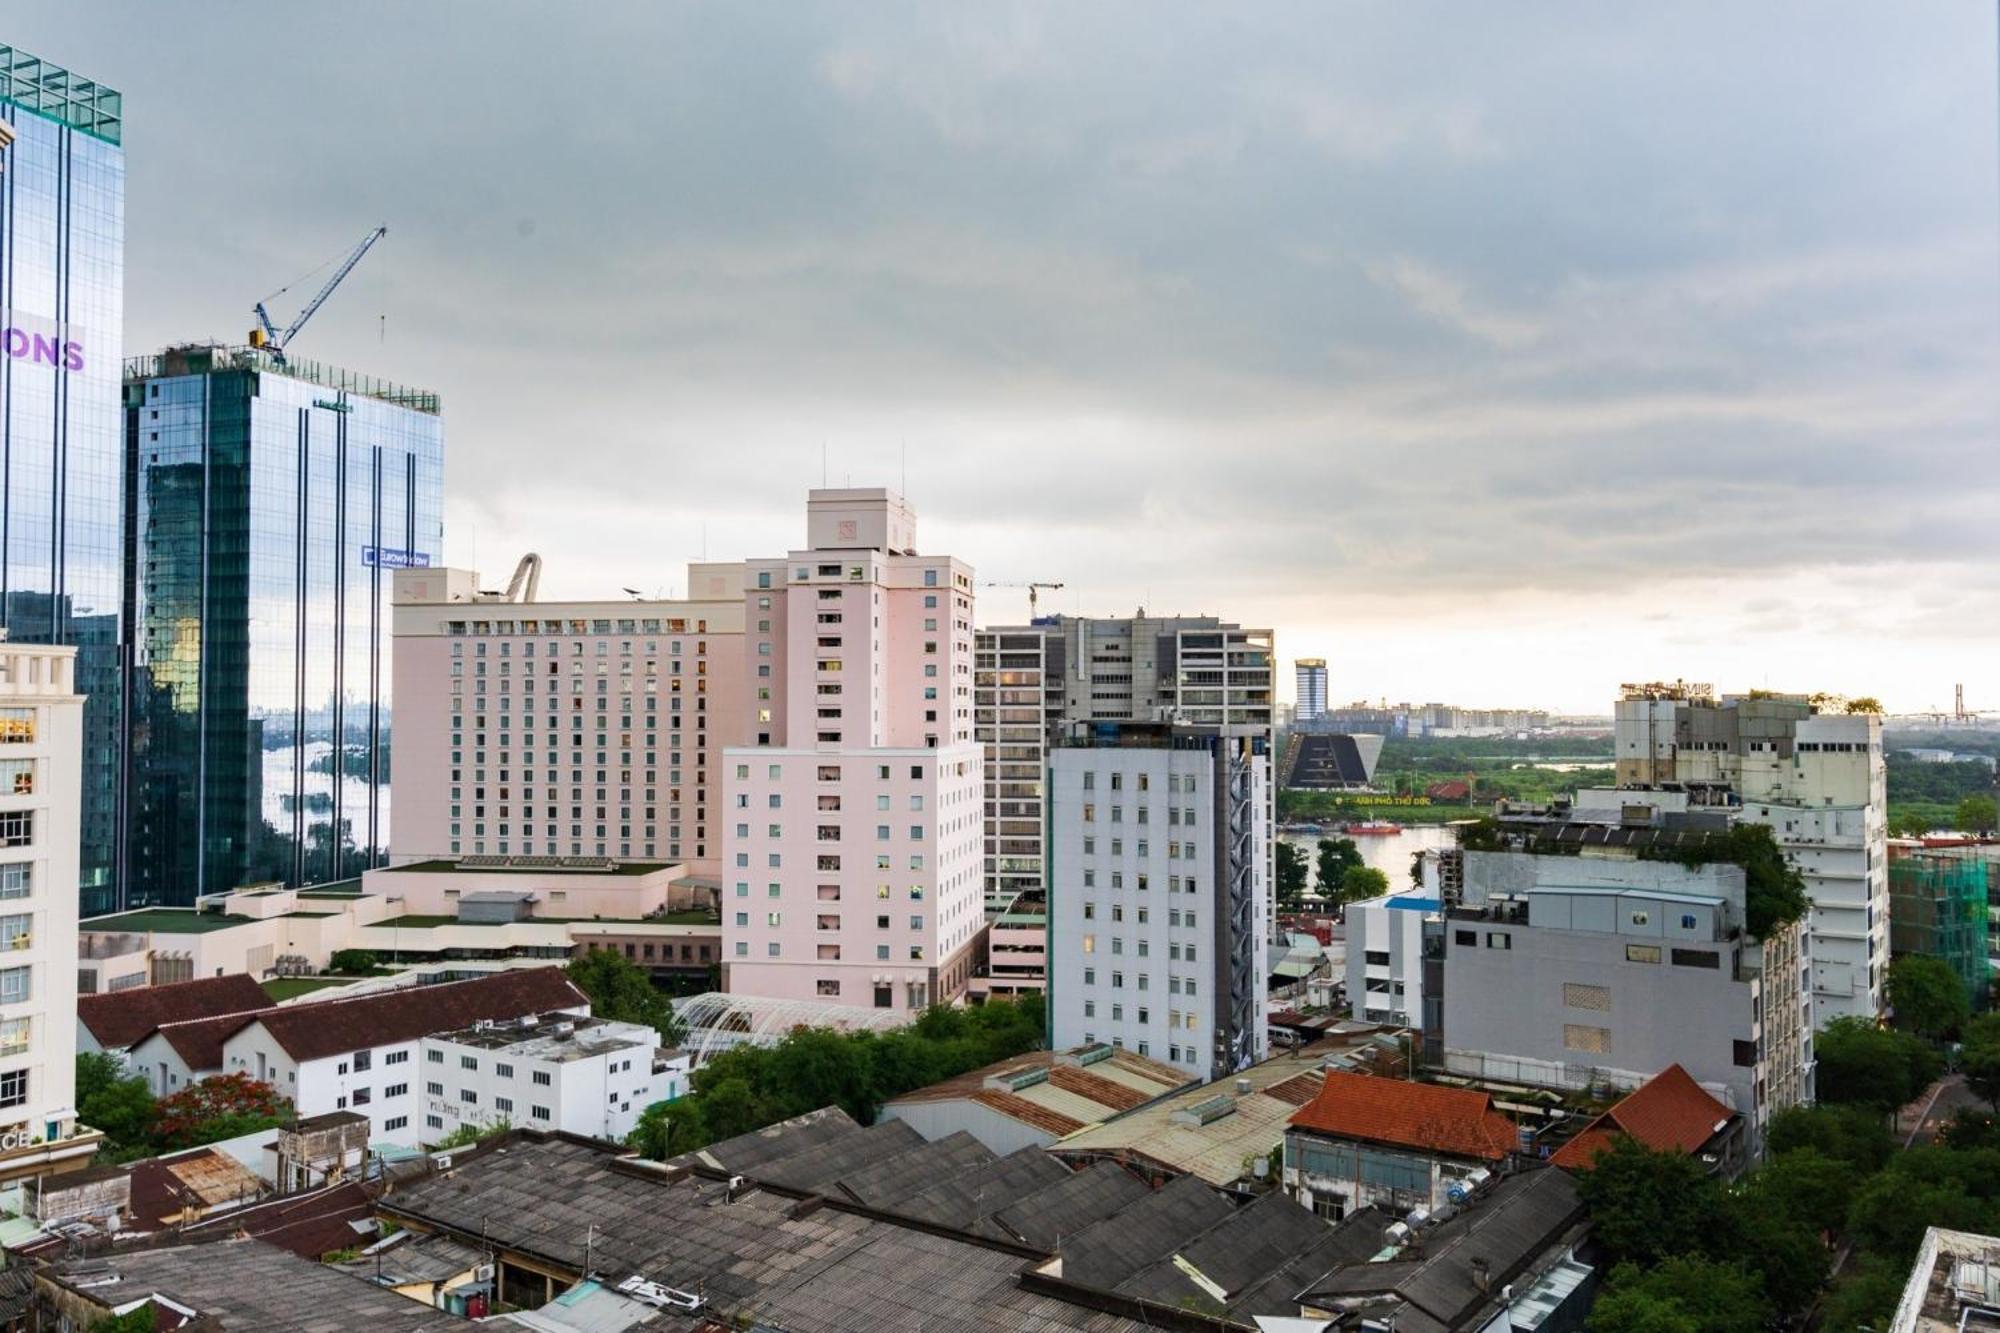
<point x="1937" y="908"/>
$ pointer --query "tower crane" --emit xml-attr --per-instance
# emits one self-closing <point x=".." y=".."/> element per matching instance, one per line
<point x="266" y="334"/>
<point x="1033" y="588"/>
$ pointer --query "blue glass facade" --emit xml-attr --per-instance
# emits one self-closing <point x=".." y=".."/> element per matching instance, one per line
<point x="62" y="280"/>
<point x="267" y="508"/>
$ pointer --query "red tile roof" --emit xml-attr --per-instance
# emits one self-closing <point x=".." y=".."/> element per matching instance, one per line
<point x="198" y="1042"/>
<point x="1670" y="1112"/>
<point x="120" y="1019"/>
<point x="1452" y="1122"/>
<point x="333" y="1027"/>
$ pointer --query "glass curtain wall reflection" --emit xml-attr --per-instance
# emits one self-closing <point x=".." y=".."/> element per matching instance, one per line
<point x="62" y="281"/>
<point x="269" y="508"/>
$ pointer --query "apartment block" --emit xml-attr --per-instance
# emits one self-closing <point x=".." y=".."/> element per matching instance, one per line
<point x="1046" y="680"/>
<point x="853" y="810"/>
<point x="564" y="729"/>
<point x="1570" y="971"/>
<point x="41" y="774"/>
<point x="573" y="1075"/>
<point x="1159" y="900"/>
<point x="1818" y="779"/>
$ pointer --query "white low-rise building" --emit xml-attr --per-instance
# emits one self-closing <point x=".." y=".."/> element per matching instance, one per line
<point x="363" y="1054"/>
<point x="582" y="1076"/>
<point x="1385" y="952"/>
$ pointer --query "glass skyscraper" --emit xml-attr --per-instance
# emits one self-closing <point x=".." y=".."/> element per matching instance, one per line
<point x="62" y="309"/>
<point x="267" y="509"/>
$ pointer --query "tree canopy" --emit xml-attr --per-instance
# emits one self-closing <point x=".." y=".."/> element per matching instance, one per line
<point x="1929" y="998"/>
<point x="1977" y="814"/>
<point x="1335" y="856"/>
<point x="1860" y="1064"/>
<point x="220" y="1107"/>
<point x="1682" y="1295"/>
<point x="1291" y="874"/>
<point x="620" y="990"/>
<point x="748" y="1087"/>
<point x="1358" y="883"/>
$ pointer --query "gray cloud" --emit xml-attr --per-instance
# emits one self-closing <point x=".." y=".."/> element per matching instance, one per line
<point x="1396" y="328"/>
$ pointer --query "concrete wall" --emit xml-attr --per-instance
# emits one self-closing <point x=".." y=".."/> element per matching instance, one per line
<point x="936" y="1120"/>
<point x="1506" y="1009"/>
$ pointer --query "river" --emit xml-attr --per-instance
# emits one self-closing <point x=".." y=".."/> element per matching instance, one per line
<point x="1389" y="853"/>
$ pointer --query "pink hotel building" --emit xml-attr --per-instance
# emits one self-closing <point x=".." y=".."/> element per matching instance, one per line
<point x="853" y="821"/>
<point x="800" y="729"/>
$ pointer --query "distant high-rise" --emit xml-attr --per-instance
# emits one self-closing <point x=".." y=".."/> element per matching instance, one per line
<point x="268" y="508"/>
<point x="1818" y="779"/>
<point x="62" y="307"/>
<point x="1311" y="701"/>
<point x="1069" y="673"/>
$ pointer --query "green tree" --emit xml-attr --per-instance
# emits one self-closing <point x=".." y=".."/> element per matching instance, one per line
<point x="1928" y="997"/>
<point x="668" y="1128"/>
<point x="1362" y="882"/>
<point x="1650" y="1206"/>
<point x="1977" y="814"/>
<point x="1336" y="856"/>
<point x="1909" y="822"/>
<point x="1856" y="1135"/>
<point x="1864" y="1065"/>
<point x="1979" y="1057"/>
<point x="1803" y="1186"/>
<point x="355" y="962"/>
<point x="121" y="1105"/>
<point x="1864" y="1299"/>
<point x="621" y="991"/>
<point x="1685" y="1294"/>
<point x="1291" y="875"/>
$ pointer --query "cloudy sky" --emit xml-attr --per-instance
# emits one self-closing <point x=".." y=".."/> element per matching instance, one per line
<point x="1498" y="354"/>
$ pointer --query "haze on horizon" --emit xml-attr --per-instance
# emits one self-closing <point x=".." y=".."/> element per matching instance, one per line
<point x="1496" y="355"/>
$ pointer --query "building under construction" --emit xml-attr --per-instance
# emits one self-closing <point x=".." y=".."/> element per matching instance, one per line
<point x="1937" y="908"/>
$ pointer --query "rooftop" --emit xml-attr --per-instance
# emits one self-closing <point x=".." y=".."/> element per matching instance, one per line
<point x="751" y="1252"/>
<point x="332" y="1027"/>
<point x="1215" y="1144"/>
<point x="1954" y="1285"/>
<point x="1058" y="1093"/>
<point x="558" y="1039"/>
<point x="249" y="1284"/>
<point x="543" y="865"/>
<point x="164" y="920"/>
<point x="1429" y="1117"/>
<point x="50" y="90"/>
<point x="121" y="1018"/>
<point x="1524" y="1223"/>
<point x="209" y="358"/>
<point x="1670" y="1112"/>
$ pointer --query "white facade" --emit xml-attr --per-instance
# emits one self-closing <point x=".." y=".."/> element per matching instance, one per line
<point x="41" y="755"/>
<point x="386" y="1083"/>
<point x="1385" y="950"/>
<point x="1821" y="783"/>
<point x="594" y="1078"/>
<point x="1311" y="687"/>
<point x="1159" y="900"/>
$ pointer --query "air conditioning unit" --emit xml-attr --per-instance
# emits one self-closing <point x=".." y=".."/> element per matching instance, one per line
<point x="483" y="1273"/>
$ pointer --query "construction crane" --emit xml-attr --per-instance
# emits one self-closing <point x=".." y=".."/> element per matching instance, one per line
<point x="266" y="334"/>
<point x="1033" y="589"/>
